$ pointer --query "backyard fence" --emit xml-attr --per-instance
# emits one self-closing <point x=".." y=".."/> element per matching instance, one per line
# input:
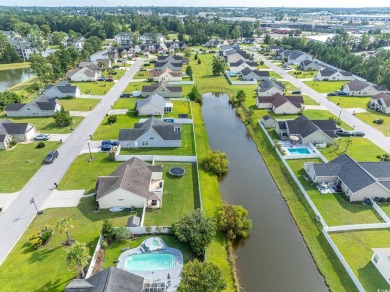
<point x="154" y="230"/>
<point x="251" y="82"/>
<point x="357" y="227"/>
<point x="94" y="258"/>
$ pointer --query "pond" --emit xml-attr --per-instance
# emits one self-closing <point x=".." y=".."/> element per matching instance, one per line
<point x="9" y="78"/>
<point x="274" y="257"/>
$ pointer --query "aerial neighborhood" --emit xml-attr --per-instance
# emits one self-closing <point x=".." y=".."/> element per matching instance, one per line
<point x="142" y="145"/>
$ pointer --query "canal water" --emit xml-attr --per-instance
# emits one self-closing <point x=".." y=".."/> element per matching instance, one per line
<point x="9" y="78"/>
<point x="274" y="257"/>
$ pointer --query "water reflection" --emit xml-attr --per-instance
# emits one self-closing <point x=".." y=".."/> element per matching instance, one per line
<point x="9" y="78"/>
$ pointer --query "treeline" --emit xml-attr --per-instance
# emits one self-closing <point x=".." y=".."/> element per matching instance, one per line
<point x="337" y="52"/>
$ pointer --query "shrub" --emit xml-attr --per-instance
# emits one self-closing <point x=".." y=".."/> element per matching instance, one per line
<point x="40" y="145"/>
<point x="40" y="238"/>
<point x="122" y="233"/>
<point x="261" y="63"/>
<point x="215" y="162"/>
<point x="13" y="143"/>
<point x="379" y="156"/>
<point x="112" y="119"/>
<point x="388" y="199"/>
<point x="199" y="62"/>
<point x="62" y="118"/>
<point x="382" y="200"/>
<point x="233" y="221"/>
<point x="148" y="229"/>
<point x="108" y="231"/>
<point x="104" y="244"/>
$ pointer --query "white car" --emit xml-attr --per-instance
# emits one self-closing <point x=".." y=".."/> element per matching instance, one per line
<point x="43" y="137"/>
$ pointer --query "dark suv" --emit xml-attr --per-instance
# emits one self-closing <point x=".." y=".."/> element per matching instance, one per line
<point x="51" y="156"/>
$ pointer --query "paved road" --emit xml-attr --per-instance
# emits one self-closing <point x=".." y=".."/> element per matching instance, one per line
<point x="372" y="134"/>
<point x="19" y="215"/>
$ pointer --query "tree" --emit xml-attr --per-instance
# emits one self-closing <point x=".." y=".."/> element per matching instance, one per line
<point x="122" y="233"/>
<point x="63" y="225"/>
<point x="136" y="38"/>
<point x="215" y="162"/>
<point x="349" y="142"/>
<point x="195" y="95"/>
<point x="112" y="119"/>
<point x="42" y="67"/>
<point x="232" y="220"/>
<point x="219" y="65"/>
<point x="201" y="276"/>
<point x="108" y="231"/>
<point x="187" y="53"/>
<point x="7" y="97"/>
<point x="196" y="230"/>
<point x="267" y="39"/>
<point x="189" y="71"/>
<point x="196" y="57"/>
<point x="77" y="257"/>
<point x="62" y="118"/>
<point x="239" y="98"/>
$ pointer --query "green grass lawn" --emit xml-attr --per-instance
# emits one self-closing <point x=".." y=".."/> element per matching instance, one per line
<point x="361" y="149"/>
<point x="180" y="196"/>
<point x="385" y="207"/>
<point x="126" y="103"/>
<point x="19" y="171"/>
<point x="356" y="247"/>
<point x="115" y="249"/>
<point x="45" y="269"/>
<point x="137" y="86"/>
<point x="187" y="146"/>
<point x="264" y="66"/>
<point x="303" y="75"/>
<point x="308" y="100"/>
<point x="371" y="115"/>
<point x="82" y="174"/>
<point x="12" y="66"/>
<point x="141" y="75"/>
<point x="179" y="107"/>
<point x="273" y="74"/>
<point x="350" y="102"/>
<point x="20" y="89"/>
<point x="325" y="86"/>
<point x="107" y="131"/>
<point x="79" y="104"/>
<point x="94" y="88"/>
<point x="334" y="209"/>
<point x="119" y="74"/>
<point x="47" y="124"/>
<point x="289" y="87"/>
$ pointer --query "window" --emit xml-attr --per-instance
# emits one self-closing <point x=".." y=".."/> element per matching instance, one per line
<point x="376" y="258"/>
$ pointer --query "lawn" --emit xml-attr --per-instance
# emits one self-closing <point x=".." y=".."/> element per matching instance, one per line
<point x="137" y="86"/>
<point x="187" y="146"/>
<point x="385" y="207"/>
<point x="21" y="164"/>
<point x="289" y="87"/>
<point x="126" y="103"/>
<point x="141" y="75"/>
<point x="179" y="107"/>
<point x="94" y="88"/>
<point x="303" y="74"/>
<point x="356" y="248"/>
<point x="12" y="66"/>
<point x="334" y="209"/>
<point x="273" y="74"/>
<point x="361" y="149"/>
<point x="350" y="102"/>
<point x="180" y="196"/>
<point x="308" y="100"/>
<point x="107" y="131"/>
<point x="82" y="174"/>
<point x="325" y="86"/>
<point x="45" y="269"/>
<point x="20" y="89"/>
<point x="371" y="115"/>
<point x="79" y="104"/>
<point x="119" y="74"/>
<point x="47" y="124"/>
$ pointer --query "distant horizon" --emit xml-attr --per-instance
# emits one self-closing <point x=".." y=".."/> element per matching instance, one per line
<point x="346" y="4"/>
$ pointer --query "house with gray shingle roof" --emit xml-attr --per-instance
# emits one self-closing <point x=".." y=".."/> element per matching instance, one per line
<point x="162" y="88"/>
<point x="21" y="132"/>
<point x="296" y="57"/>
<point x="330" y="74"/>
<point x="308" y="131"/>
<point x="151" y="133"/>
<point x="110" y="279"/>
<point x="237" y="67"/>
<point x="83" y="74"/>
<point x="269" y="88"/>
<point x="358" y="180"/>
<point x="62" y="89"/>
<point x="281" y="104"/>
<point x="42" y="106"/>
<point x="172" y="65"/>
<point x="154" y="105"/>
<point x="309" y="65"/>
<point x="381" y="102"/>
<point x="361" y="88"/>
<point x="133" y="184"/>
<point x="249" y="74"/>
<point x="165" y="74"/>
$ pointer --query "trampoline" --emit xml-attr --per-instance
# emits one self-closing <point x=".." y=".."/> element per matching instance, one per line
<point x="177" y="171"/>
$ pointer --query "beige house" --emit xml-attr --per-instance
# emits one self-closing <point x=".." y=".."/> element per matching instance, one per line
<point x="42" y="106"/>
<point x="280" y="104"/>
<point x="154" y="105"/>
<point x="165" y="74"/>
<point x="358" y="180"/>
<point x="381" y="103"/>
<point x="269" y="88"/>
<point x="21" y="132"/>
<point x="330" y="74"/>
<point x="133" y="184"/>
<point x="82" y="75"/>
<point x="162" y="88"/>
<point x="361" y="88"/>
<point x="381" y="260"/>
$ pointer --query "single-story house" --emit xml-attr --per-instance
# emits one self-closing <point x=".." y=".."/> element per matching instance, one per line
<point x="165" y="74"/>
<point x="274" y="49"/>
<point x="5" y="140"/>
<point x="232" y="56"/>
<point x="151" y="133"/>
<point x="269" y="88"/>
<point x="153" y="105"/>
<point x="281" y="104"/>
<point x="240" y="65"/>
<point x="268" y="122"/>
<point x="90" y="65"/>
<point x="308" y="131"/>
<point x="296" y="57"/>
<point x="249" y="74"/>
<point x="212" y="43"/>
<point x="61" y="90"/>
<point x="381" y="103"/>
<point x="162" y="88"/>
<point x="330" y="74"/>
<point x="42" y="106"/>
<point x="381" y="260"/>
<point x="358" y="180"/>
<point x="361" y="88"/>
<point x="133" y="184"/>
<point x="108" y="280"/>
<point x="105" y="54"/>
<point x="83" y="74"/>
<point x="21" y="132"/>
<point x="170" y="58"/>
<point x="309" y="65"/>
<point x="174" y="66"/>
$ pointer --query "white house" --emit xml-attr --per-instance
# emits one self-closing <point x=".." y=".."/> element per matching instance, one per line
<point x="381" y="260"/>
<point x="173" y="66"/>
<point x="330" y="74"/>
<point x="21" y="132"/>
<point x="309" y="65"/>
<point x="151" y="133"/>
<point x="149" y="38"/>
<point x="5" y="141"/>
<point x="79" y="43"/>
<point x="381" y="103"/>
<point x="268" y="122"/>
<point x="133" y="184"/>
<point x="274" y="49"/>
<point x="280" y="104"/>
<point x="42" y="106"/>
<point x="240" y="65"/>
<point x="269" y="88"/>
<point x="83" y="74"/>
<point x="361" y="88"/>
<point x="162" y="88"/>
<point x="248" y="74"/>
<point x="61" y="90"/>
<point x="124" y="38"/>
<point x="154" y="105"/>
<point x="165" y="74"/>
<point x="296" y="57"/>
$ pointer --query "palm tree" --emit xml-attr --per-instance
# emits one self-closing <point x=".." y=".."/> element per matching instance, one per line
<point x="63" y="225"/>
<point x="349" y="142"/>
<point x="77" y="257"/>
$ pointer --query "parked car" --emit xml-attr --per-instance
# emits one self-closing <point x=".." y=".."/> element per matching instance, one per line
<point x="332" y="94"/>
<point x="296" y="92"/>
<point x="116" y="67"/>
<point x="358" y="133"/>
<point x="152" y="61"/>
<point x="341" y="93"/>
<point x="287" y="68"/>
<point x="43" y="137"/>
<point x="125" y="95"/>
<point x="101" y="78"/>
<point x="106" y="147"/>
<point x="110" y="79"/>
<point x="51" y="156"/>
<point x="142" y="69"/>
<point x="119" y="61"/>
<point x="343" y="133"/>
<point x="367" y="201"/>
<point x="110" y="142"/>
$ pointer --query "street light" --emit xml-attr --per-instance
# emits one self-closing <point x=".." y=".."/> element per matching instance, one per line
<point x="339" y="117"/>
<point x="32" y="201"/>
<point x="90" y="154"/>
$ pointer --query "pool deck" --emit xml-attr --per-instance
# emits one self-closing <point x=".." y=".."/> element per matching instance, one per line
<point x="314" y="153"/>
<point x="157" y="276"/>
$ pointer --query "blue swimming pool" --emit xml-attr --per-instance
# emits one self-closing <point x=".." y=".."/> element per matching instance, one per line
<point x="150" y="262"/>
<point x="298" y="151"/>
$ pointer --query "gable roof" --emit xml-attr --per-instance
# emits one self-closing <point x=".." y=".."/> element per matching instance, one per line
<point x="154" y="99"/>
<point x="305" y="127"/>
<point x="268" y="84"/>
<point x="328" y="71"/>
<point x="166" y="63"/>
<point x="170" y="58"/>
<point x="11" y="128"/>
<point x="295" y="54"/>
<point x="277" y="100"/>
<point x="164" y="84"/>
<point x="385" y="97"/>
<point x="237" y="64"/>
<point x="84" y="70"/>
<point x="63" y="87"/>
<point x="158" y="73"/>
<point x="308" y="62"/>
<point x="357" y="85"/>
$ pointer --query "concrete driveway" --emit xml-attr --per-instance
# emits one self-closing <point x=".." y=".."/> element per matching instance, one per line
<point x="63" y="199"/>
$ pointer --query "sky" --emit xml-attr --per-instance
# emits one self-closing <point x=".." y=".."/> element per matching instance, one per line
<point x="202" y="3"/>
